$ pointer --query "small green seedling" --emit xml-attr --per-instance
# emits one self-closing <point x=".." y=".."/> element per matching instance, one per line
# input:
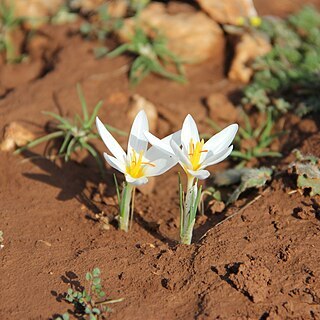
<point x="8" y="24"/>
<point x="253" y="142"/>
<point x="64" y="15"/>
<point x="74" y="135"/>
<point x="287" y="78"/>
<point x="247" y="177"/>
<point x="151" y="56"/>
<point x="307" y="168"/>
<point x="99" y="27"/>
<point x="90" y="303"/>
<point x="137" y="5"/>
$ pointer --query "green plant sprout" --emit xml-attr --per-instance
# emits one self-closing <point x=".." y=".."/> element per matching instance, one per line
<point x="151" y="57"/>
<point x="138" y="5"/>
<point x="287" y="78"/>
<point x="64" y="15"/>
<point x="252" y="142"/>
<point x="90" y="303"/>
<point x="99" y="27"/>
<point x="8" y="24"/>
<point x="74" y="135"/>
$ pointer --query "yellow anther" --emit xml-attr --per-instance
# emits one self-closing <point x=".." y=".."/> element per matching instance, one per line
<point x="136" y="167"/>
<point x="195" y="153"/>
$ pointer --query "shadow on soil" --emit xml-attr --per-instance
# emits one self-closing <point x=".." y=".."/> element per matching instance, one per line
<point x="69" y="177"/>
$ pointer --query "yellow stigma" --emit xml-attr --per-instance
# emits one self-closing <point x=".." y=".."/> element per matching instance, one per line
<point x="136" y="167"/>
<point x="195" y="151"/>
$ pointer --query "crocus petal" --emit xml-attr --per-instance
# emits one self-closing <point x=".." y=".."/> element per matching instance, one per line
<point x="176" y="137"/>
<point x="199" y="174"/>
<point x="189" y="131"/>
<point x="221" y="140"/>
<point x="182" y="158"/>
<point x="217" y="157"/>
<point x="114" y="163"/>
<point x="110" y="142"/>
<point x="135" y="181"/>
<point x="159" y="162"/>
<point x="164" y="144"/>
<point x="137" y="139"/>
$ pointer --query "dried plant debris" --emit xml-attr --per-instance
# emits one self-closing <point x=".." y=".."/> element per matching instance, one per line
<point x="307" y="169"/>
<point x="247" y="177"/>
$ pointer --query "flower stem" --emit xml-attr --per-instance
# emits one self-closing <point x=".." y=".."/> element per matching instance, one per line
<point x="125" y="207"/>
<point x="189" y="209"/>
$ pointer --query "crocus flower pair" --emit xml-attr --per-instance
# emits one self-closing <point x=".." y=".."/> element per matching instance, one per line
<point x="183" y="147"/>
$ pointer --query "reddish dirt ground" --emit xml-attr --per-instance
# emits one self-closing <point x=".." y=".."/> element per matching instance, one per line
<point x="263" y="263"/>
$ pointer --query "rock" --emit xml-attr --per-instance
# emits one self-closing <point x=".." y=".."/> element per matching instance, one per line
<point x="36" y="12"/>
<point x="116" y="9"/>
<point x="138" y="103"/>
<point x="14" y="135"/>
<point x="216" y="206"/>
<point x="247" y="49"/>
<point x="191" y="35"/>
<point x="228" y="12"/>
<point x="221" y="110"/>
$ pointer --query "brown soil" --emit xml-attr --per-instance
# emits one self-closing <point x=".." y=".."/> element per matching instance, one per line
<point x="262" y="263"/>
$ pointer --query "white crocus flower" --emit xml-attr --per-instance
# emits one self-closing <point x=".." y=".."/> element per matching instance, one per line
<point x="194" y="155"/>
<point x="138" y="163"/>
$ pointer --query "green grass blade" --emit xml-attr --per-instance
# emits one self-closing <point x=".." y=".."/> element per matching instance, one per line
<point x="117" y="188"/>
<point x="70" y="148"/>
<point x="65" y="143"/>
<point x="239" y="154"/>
<point x="59" y="118"/>
<point x="118" y="51"/>
<point x="115" y="130"/>
<point x="35" y="142"/>
<point x="268" y="127"/>
<point x="181" y="205"/>
<point x="94" y="114"/>
<point x="83" y="103"/>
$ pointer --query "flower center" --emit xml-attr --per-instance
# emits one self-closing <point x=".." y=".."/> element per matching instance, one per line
<point x="195" y="151"/>
<point x="136" y="167"/>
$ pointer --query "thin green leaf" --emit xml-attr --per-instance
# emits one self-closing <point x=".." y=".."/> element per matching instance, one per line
<point x="59" y="118"/>
<point x="117" y="188"/>
<point x="35" y="142"/>
<point x="83" y="103"/>
<point x="94" y="114"/>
